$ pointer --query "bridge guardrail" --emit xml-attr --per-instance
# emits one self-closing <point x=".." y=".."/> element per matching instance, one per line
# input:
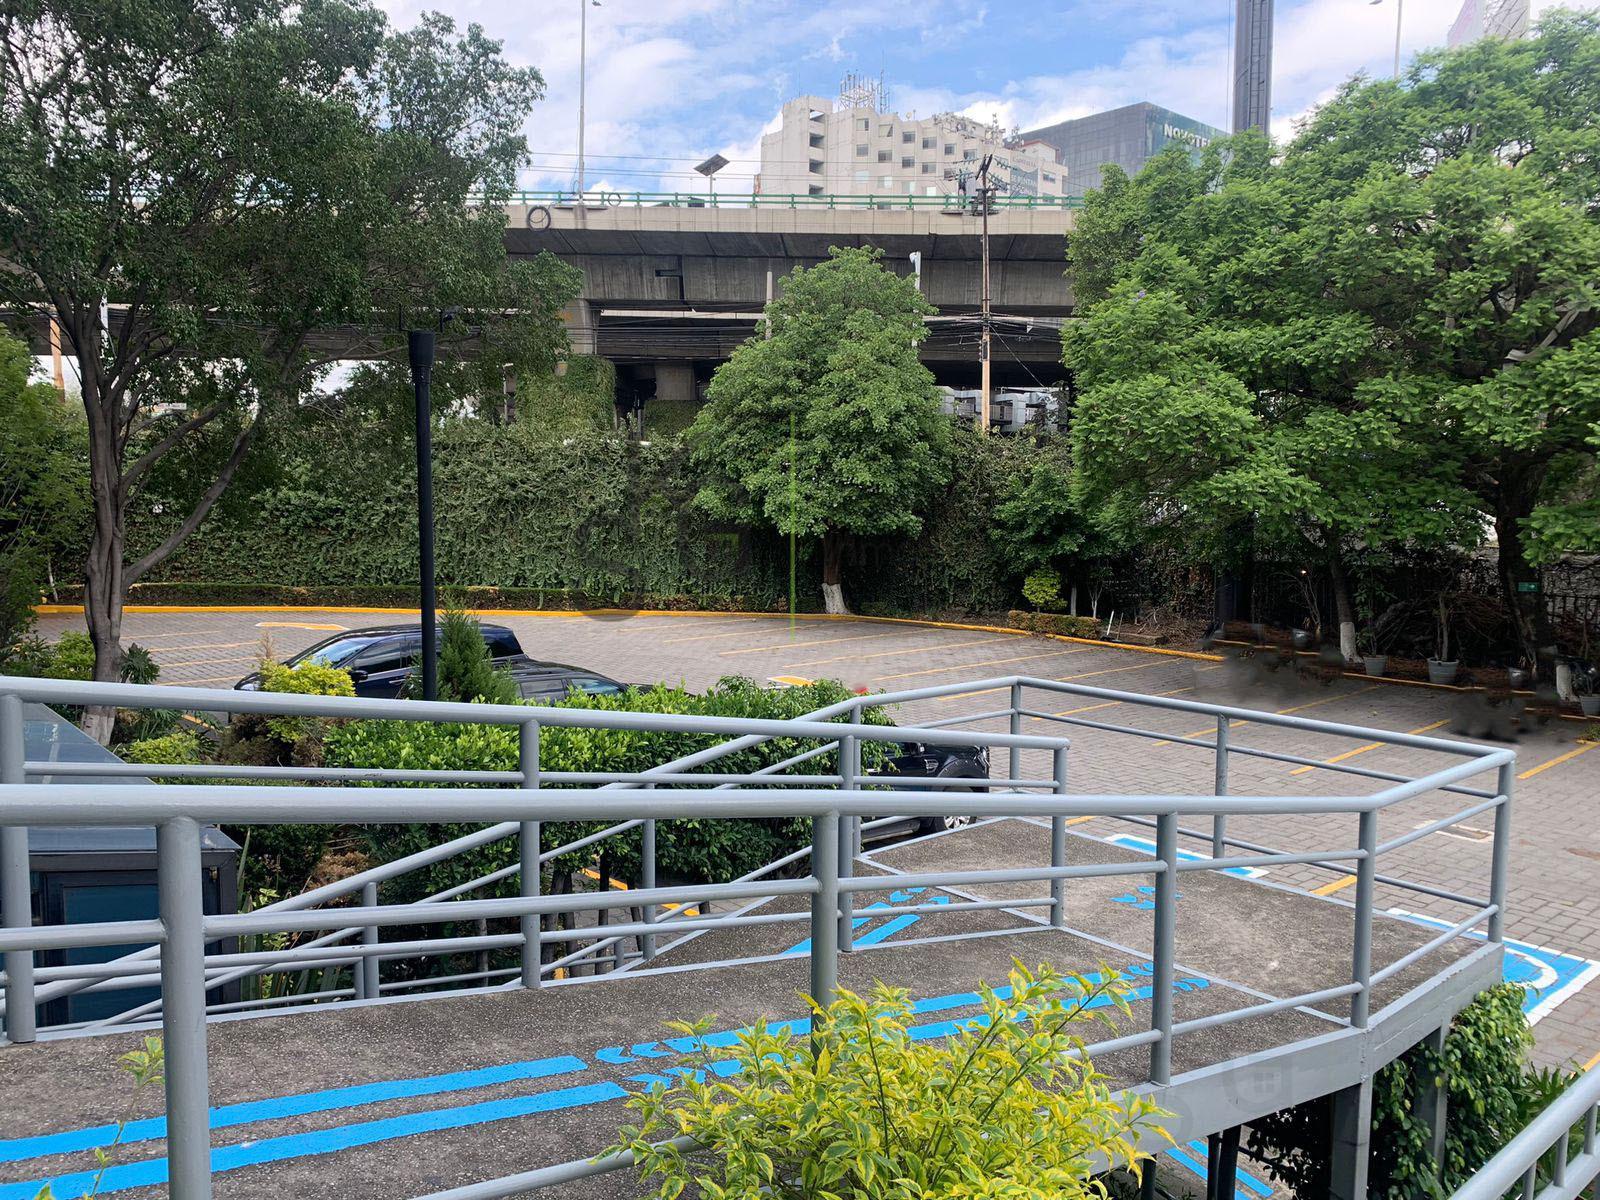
<point x="839" y="805"/>
<point x="952" y="203"/>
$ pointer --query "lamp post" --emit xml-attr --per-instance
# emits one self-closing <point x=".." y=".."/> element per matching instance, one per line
<point x="709" y="169"/>
<point x="1399" y="15"/>
<point x="583" y="67"/>
<point x="420" y="343"/>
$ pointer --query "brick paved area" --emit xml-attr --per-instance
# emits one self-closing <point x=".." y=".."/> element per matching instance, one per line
<point x="1555" y="855"/>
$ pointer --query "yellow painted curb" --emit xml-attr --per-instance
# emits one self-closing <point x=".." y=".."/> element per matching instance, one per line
<point x="71" y="609"/>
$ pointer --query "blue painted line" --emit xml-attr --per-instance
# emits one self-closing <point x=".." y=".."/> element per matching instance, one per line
<point x="227" y="1116"/>
<point x="1146" y="846"/>
<point x="153" y="1172"/>
<point x="1244" y="1184"/>
<point x="887" y="930"/>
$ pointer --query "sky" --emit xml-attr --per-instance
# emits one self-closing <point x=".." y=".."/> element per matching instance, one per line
<point x="671" y="82"/>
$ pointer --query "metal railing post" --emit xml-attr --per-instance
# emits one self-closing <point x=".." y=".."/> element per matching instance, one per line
<point x="1501" y="852"/>
<point x="528" y="881"/>
<point x="16" y="888"/>
<point x="1219" y="822"/>
<point x="1058" y="841"/>
<point x="367" y="980"/>
<point x="1015" y="758"/>
<point x="849" y="747"/>
<point x="1361" y="965"/>
<point x="1164" y="948"/>
<point x="647" y="880"/>
<point x="825" y="907"/>
<point x="179" y="880"/>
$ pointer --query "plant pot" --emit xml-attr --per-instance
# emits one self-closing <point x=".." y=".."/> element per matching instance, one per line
<point x="1516" y="678"/>
<point x="1590" y="705"/>
<point x="1376" y="664"/>
<point x="1442" y="672"/>
<point x="1302" y="639"/>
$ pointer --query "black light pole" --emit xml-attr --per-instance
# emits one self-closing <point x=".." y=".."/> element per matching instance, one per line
<point x="421" y="346"/>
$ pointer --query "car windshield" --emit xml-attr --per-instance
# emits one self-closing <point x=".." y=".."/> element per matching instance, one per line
<point x="336" y="653"/>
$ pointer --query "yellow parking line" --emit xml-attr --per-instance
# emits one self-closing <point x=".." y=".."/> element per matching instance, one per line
<point x="296" y="625"/>
<point x="1072" y="712"/>
<point x="863" y="637"/>
<point x="1339" y="758"/>
<point x="706" y="637"/>
<point x="1590" y="1065"/>
<point x="1063" y="679"/>
<point x="1078" y="820"/>
<point x="1558" y="760"/>
<point x="988" y="662"/>
<point x="1337" y="885"/>
<point x="887" y="653"/>
<point x="1282" y="712"/>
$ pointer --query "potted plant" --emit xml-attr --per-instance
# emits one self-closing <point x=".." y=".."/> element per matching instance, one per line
<point x="1375" y="661"/>
<point x="1587" y="688"/>
<point x="1442" y="668"/>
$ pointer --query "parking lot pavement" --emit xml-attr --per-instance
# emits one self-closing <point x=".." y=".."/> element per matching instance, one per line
<point x="1552" y="908"/>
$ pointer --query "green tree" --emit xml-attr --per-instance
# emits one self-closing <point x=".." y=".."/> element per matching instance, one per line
<point x="218" y="199"/>
<point x="1380" y="338"/>
<point x="466" y="668"/>
<point x="43" y="500"/>
<point x="830" y="427"/>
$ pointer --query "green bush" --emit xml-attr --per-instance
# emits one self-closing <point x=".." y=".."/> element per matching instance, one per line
<point x="309" y="678"/>
<point x="862" y="1108"/>
<point x="466" y="669"/>
<point x="702" y="851"/>
<point x="1484" y="1065"/>
<point x="1042" y="589"/>
<point x="173" y="748"/>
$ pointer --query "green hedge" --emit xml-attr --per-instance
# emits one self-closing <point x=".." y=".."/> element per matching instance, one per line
<point x="694" y="850"/>
<point x="527" y="520"/>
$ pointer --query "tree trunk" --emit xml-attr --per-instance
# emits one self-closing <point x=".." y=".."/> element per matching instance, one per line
<point x="832" y="591"/>
<point x="1529" y="618"/>
<point x="1342" y="607"/>
<point x="103" y="583"/>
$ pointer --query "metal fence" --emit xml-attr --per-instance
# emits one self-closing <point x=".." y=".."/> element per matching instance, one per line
<point x="840" y="803"/>
<point x="941" y="203"/>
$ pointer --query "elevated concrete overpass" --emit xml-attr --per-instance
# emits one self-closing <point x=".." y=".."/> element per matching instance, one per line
<point x="670" y="289"/>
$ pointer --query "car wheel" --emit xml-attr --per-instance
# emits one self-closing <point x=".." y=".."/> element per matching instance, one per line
<point x="941" y="824"/>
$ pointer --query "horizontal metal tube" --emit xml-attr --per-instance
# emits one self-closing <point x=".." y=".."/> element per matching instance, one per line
<point x="567" y="1172"/>
<point x="1113" y="1045"/>
<point x="1262" y="1010"/>
<point x="140" y="696"/>
<point x="881" y="883"/>
<point x="1264" y="860"/>
<point x="401" y="985"/>
<point x="89" y="804"/>
<point x="469" y="910"/>
<point x="1455" y="931"/>
<point x="965" y="719"/>
<point x="90" y="933"/>
<point x="231" y="771"/>
<point x="1431" y="827"/>
<point x="306" y="998"/>
<point x="639" y="928"/>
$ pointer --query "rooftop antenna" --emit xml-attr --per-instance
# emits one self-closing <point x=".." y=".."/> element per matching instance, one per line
<point x="859" y="91"/>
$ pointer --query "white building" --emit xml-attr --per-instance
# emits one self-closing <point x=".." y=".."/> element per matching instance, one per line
<point x="823" y="149"/>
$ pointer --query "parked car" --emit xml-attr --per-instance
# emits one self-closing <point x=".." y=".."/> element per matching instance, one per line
<point x="380" y="658"/>
<point x="549" y="681"/>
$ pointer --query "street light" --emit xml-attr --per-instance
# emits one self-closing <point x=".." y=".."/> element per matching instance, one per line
<point x="1399" y="14"/>
<point x="420" y="344"/>
<point x="709" y="169"/>
<point x="583" y="64"/>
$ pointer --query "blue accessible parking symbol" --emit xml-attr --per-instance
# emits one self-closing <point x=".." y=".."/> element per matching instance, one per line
<point x="1548" y="976"/>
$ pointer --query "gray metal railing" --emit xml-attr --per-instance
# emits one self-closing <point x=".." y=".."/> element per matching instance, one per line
<point x="623" y="198"/>
<point x="1546" y="1143"/>
<point x="840" y="804"/>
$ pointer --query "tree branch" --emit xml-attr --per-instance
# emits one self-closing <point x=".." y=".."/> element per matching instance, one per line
<point x="202" y="508"/>
<point x="151" y="456"/>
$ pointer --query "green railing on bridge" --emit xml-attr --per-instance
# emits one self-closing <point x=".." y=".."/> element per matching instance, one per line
<point x="941" y="203"/>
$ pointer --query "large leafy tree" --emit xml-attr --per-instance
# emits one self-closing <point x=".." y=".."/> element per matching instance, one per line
<point x="827" y="426"/>
<point x="1385" y="336"/>
<point x="216" y="199"/>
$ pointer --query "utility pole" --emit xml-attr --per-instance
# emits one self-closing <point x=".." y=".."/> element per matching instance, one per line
<point x="984" y="344"/>
<point x="583" y="68"/>
<point x="420" y="346"/>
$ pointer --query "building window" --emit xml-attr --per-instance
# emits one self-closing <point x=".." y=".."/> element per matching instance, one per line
<point x="969" y="156"/>
<point x="814" y="190"/>
<point x="861" y="150"/>
<point x="908" y="162"/>
<point x="1049" y="178"/>
<point x="862" y="176"/>
<point x="886" y="181"/>
<point x="817" y="141"/>
<point x="911" y="189"/>
<point x="930" y="191"/>
<point x="885" y="130"/>
<point x="815" y="166"/>
<point x="929" y="168"/>
<point x="949" y="147"/>
<point x="908" y="136"/>
<point x="885" y="156"/>
<point x="863" y="124"/>
<point x="930" y="143"/>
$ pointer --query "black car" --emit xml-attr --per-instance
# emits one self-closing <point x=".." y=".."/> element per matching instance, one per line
<point x="917" y="760"/>
<point x="379" y="659"/>
<point x="546" y="681"/>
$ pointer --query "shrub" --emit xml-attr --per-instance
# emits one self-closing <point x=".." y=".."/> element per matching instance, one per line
<point x="867" y="1109"/>
<point x="466" y="668"/>
<point x="1042" y="589"/>
<point x="309" y="678"/>
<point x="180" y="747"/>
<point x="1485" y="1067"/>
